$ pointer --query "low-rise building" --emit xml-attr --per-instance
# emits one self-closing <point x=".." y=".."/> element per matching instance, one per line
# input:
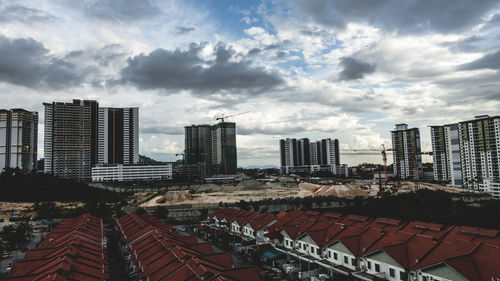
<point x="132" y="172"/>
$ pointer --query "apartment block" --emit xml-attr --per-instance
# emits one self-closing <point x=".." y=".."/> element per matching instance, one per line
<point x="447" y="166"/>
<point x="18" y="139"/>
<point x="407" y="153"/>
<point x="304" y="156"/>
<point x="118" y="135"/>
<point x="80" y="135"/>
<point x="480" y="151"/>
<point x="132" y="172"/>
<point x="224" y="158"/>
<point x="71" y="138"/>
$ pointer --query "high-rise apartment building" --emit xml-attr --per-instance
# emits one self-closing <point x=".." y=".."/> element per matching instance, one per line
<point x="303" y="155"/>
<point x="211" y="149"/>
<point x="467" y="154"/>
<point x="407" y="152"/>
<point x="198" y="144"/>
<point x="18" y="139"/>
<point x="80" y="135"/>
<point x="224" y="159"/>
<point x="71" y="138"/>
<point x="480" y="150"/>
<point x="447" y="165"/>
<point x="118" y="135"/>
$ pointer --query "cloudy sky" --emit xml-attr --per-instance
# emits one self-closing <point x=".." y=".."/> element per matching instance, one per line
<point x="346" y="69"/>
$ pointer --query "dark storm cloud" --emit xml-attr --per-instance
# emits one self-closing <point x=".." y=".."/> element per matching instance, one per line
<point x="181" y="30"/>
<point x="494" y="22"/>
<point x="26" y="62"/>
<point x="403" y="15"/>
<point x="24" y="14"/>
<point x="185" y="69"/>
<point x="489" y="61"/>
<point x="120" y="10"/>
<point x="354" y="69"/>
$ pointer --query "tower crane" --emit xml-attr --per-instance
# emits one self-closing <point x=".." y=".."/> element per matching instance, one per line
<point x="222" y="117"/>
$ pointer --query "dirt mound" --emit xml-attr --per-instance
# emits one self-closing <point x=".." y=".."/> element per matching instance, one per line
<point x="250" y="184"/>
<point x="176" y="196"/>
<point x="309" y="189"/>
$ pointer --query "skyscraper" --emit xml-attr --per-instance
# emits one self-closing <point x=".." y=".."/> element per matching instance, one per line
<point x="303" y="155"/>
<point x="118" y="135"/>
<point x="71" y="138"/>
<point x="472" y="153"/>
<point x="80" y="135"/>
<point x="198" y="144"/>
<point x="407" y="152"/>
<point x="224" y="159"/>
<point x="480" y="150"/>
<point x="18" y="139"/>
<point x="446" y="154"/>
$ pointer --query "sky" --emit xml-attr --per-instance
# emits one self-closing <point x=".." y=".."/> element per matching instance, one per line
<point x="345" y="69"/>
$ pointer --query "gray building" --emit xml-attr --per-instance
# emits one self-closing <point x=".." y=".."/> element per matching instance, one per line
<point x="224" y="155"/>
<point x="480" y="150"/>
<point x="198" y="144"/>
<point x="407" y="153"/>
<point x="18" y="139"/>
<point x="447" y="166"/>
<point x="71" y="138"/>
<point x="210" y="150"/>
<point x="302" y="155"/>
<point x="118" y="135"/>
<point x="80" y="135"/>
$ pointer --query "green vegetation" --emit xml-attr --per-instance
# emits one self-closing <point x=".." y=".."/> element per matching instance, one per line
<point x="429" y="206"/>
<point x="21" y="187"/>
<point x="14" y="236"/>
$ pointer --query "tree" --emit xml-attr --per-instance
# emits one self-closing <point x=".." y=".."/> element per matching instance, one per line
<point x="46" y="210"/>
<point x="15" y="235"/>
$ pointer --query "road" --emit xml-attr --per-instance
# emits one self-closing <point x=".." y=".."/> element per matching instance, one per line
<point x="18" y="254"/>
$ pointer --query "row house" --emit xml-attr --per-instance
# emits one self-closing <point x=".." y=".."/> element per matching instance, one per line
<point x="74" y="250"/>
<point x="155" y="251"/>
<point x="388" y="248"/>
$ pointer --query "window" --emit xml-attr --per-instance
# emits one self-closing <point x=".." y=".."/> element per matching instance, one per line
<point x="392" y="273"/>
<point x="286" y="243"/>
<point x="335" y="257"/>
<point x="354" y="262"/>
<point x="377" y="267"/>
<point x="403" y="275"/>
<point x="369" y="264"/>
<point x="317" y="251"/>
<point x="304" y="246"/>
<point x="346" y="260"/>
<point x="329" y="254"/>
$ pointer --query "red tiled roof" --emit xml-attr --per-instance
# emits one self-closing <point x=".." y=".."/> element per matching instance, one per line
<point x="166" y="255"/>
<point x="405" y="248"/>
<point x="477" y="234"/>
<point x="72" y="251"/>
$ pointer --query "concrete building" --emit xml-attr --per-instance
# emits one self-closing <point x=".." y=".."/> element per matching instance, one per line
<point x="303" y="156"/>
<point x="135" y="172"/>
<point x="118" y="135"/>
<point x="71" y="138"/>
<point x="80" y="135"/>
<point x="447" y="166"/>
<point x="18" y="139"/>
<point x="198" y="149"/>
<point x="224" y="157"/>
<point x="407" y="152"/>
<point x="480" y="150"/>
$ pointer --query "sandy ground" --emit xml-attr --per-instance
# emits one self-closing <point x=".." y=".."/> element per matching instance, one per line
<point x="253" y="191"/>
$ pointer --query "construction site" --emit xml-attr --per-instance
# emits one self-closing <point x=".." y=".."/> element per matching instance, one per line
<point x="281" y="187"/>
